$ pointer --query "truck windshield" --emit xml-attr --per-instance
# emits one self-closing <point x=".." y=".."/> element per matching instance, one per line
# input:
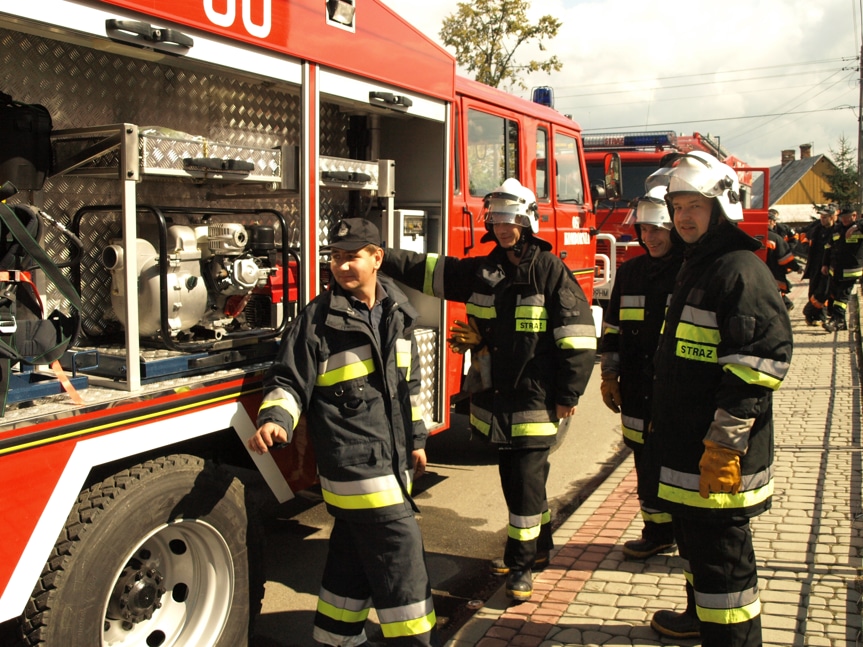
<point x="634" y="174"/>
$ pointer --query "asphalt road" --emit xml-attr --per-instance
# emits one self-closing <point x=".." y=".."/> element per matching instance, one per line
<point x="463" y="520"/>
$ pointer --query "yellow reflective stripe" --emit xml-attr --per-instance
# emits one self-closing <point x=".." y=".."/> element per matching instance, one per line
<point x="283" y="399"/>
<point x="345" y="373"/>
<point x="366" y="494"/>
<point x="523" y="534"/>
<point x="531" y="312"/>
<point x="546" y="517"/>
<point x="480" y="425"/>
<point x="631" y="314"/>
<point x="656" y="517"/>
<point x="751" y="376"/>
<point x="633" y="434"/>
<point x="698" y="352"/>
<point x="852" y="273"/>
<point x="729" y="616"/>
<point x="534" y="429"/>
<point x="481" y="312"/>
<point x="428" y="279"/>
<point x="341" y="615"/>
<point x="414" y="627"/>
<point x="416" y="414"/>
<point x="576" y="343"/>
<point x="698" y="334"/>
<point x="609" y="329"/>
<point x="716" y="500"/>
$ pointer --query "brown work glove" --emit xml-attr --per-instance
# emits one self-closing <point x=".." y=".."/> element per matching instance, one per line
<point x="464" y="336"/>
<point x="610" y="390"/>
<point x="720" y="470"/>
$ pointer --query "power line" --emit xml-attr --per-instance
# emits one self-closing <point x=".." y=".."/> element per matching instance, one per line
<point x="690" y="85"/>
<point x="698" y="121"/>
<point x="687" y="76"/>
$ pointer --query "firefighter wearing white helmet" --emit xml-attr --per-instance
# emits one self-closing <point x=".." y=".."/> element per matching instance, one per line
<point x="511" y="217"/>
<point x="725" y="347"/>
<point x="531" y="335"/>
<point x="633" y="321"/>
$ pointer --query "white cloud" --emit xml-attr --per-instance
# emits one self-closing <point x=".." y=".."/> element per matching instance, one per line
<point x="700" y="65"/>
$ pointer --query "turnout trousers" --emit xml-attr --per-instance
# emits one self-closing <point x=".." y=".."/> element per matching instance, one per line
<point x="523" y="475"/>
<point x="375" y="564"/>
<point x="724" y="580"/>
<point x="657" y="524"/>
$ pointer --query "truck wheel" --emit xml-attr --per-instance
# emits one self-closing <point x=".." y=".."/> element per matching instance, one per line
<point x="153" y="556"/>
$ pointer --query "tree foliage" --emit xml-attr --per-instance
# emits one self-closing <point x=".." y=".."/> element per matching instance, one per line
<point x="844" y="179"/>
<point x="486" y="34"/>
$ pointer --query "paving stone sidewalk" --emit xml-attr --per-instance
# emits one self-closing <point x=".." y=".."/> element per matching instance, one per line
<point x="808" y="546"/>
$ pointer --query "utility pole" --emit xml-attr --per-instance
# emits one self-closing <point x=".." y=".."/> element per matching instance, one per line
<point x="860" y="135"/>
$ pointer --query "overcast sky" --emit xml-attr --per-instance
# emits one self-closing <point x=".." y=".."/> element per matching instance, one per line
<point x="761" y="75"/>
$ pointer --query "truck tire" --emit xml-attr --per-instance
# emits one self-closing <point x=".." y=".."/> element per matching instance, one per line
<point x="153" y="556"/>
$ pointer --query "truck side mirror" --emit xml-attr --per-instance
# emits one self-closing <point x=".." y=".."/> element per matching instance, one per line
<point x="613" y="176"/>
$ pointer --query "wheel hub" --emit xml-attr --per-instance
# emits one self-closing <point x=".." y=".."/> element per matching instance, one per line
<point x="137" y="594"/>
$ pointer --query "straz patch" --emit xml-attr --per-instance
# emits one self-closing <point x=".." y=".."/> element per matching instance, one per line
<point x="530" y="325"/>
<point x="697" y="352"/>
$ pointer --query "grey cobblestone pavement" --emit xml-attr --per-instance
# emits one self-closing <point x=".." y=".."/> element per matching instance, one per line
<point x="808" y="546"/>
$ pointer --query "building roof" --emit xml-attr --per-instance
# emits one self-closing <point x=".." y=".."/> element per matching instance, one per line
<point x="783" y="177"/>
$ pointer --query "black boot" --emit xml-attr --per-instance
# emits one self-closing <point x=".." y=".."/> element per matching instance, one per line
<point x="676" y="625"/>
<point x="519" y="585"/>
<point x="644" y="548"/>
<point x="499" y="567"/>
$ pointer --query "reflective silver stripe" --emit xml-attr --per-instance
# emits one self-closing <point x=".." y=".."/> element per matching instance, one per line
<point x="525" y="521"/>
<point x="632" y="422"/>
<point x="338" y="361"/>
<point x="285" y="400"/>
<point x="699" y="317"/>
<point x="633" y="301"/>
<point x="731" y="600"/>
<point x="689" y="481"/>
<point x="575" y="337"/>
<point x="481" y="306"/>
<point x="363" y="486"/>
<point x="404" y="355"/>
<point x="538" y="415"/>
<point x="406" y="612"/>
<point x="342" y="602"/>
<point x="532" y="300"/>
<point x="761" y="364"/>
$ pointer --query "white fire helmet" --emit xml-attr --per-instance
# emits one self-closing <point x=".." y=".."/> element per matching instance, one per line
<point x="652" y="209"/>
<point x="511" y="203"/>
<point x="699" y="172"/>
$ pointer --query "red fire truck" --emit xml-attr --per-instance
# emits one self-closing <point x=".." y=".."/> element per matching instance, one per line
<point x="639" y="154"/>
<point x="202" y="151"/>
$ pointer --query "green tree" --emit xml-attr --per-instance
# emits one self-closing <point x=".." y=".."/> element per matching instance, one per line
<point x="486" y="33"/>
<point x="844" y="179"/>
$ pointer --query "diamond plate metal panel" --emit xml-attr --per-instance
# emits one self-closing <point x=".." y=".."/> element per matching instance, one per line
<point x="427" y="342"/>
<point x="83" y="87"/>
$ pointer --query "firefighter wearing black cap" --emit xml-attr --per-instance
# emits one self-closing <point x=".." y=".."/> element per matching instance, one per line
<point x="726" y="346"/>
<point x="818" y="236"/>
<point x="633" y="321"/>
<point x="843" y="260"/>
<point x="350" y="362"/>
<point x="531" y="321"/>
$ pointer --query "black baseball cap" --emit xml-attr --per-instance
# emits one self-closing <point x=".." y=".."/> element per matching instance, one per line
<point x="353" y="233"/>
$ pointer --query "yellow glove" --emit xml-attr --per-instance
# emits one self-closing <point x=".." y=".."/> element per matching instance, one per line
<point x="720" y="470"/>
<point x="610" y="390"/>
<point x="464" y="336"/>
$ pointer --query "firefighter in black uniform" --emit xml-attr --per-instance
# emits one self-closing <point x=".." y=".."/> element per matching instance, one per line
<point x="818" y="236"/>
<point x="780" y="260"/>
<point x="633" y="321"/>
<point x="531" y="321"/>
<point x="726" y="346"/>
<point x="350" y="361"/>
<point x="843" y="259"/>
